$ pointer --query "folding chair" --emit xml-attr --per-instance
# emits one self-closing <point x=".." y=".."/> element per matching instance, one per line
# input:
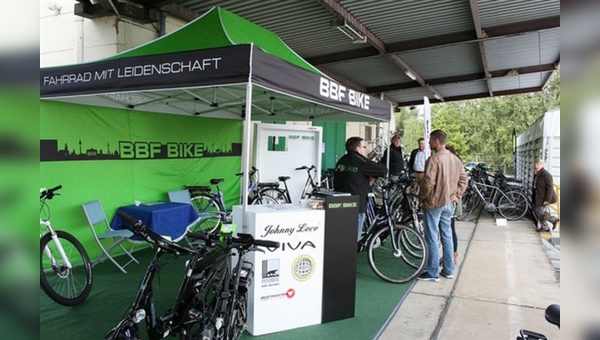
<point x="180" y="196"/>
<point x="95" y="216"/>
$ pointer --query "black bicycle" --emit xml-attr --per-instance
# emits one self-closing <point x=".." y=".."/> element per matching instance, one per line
<point x="211" y="302"/>
<point x="397" y="252"/>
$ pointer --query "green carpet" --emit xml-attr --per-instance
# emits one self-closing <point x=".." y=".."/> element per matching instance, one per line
<point x="113" y="291"/>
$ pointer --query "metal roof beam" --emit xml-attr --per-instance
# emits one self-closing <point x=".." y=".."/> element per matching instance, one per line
<point x="481" y="35"/>
<point x="474" y="96"/>
<point x="338" y="9"/>
<point x="466" y="78"/>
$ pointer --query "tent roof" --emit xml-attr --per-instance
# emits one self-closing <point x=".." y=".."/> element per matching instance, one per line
<point x="219" y="28"/>
<point x="177" y="73"/>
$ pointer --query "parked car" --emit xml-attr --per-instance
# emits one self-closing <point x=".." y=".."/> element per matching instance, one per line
<point x="470" y="165"/>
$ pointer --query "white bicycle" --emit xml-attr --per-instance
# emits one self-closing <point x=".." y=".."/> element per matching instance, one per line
<point x="65" y="268"/>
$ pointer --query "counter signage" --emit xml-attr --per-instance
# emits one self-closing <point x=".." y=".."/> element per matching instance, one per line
<point x="291" y="276"/>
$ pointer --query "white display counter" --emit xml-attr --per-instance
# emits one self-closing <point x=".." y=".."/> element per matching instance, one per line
<point x="287" y="288"/>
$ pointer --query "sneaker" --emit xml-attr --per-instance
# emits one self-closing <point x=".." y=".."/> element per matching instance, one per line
<point x="425" y="277"/>
<point x="447" y="276"/>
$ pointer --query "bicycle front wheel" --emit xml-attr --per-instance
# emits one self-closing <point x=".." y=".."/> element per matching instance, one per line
<point x="391" y="260"/>
<point x="210" y="212"/>
<point x="512" y="205"/>
<point x="67" y="286"/>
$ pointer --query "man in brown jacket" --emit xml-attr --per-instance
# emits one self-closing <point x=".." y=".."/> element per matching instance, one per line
<point x="442" y="187"/>
<point x="543" y="194"/>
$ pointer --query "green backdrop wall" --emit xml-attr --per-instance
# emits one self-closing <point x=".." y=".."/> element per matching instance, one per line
<point x="118" y="156"/>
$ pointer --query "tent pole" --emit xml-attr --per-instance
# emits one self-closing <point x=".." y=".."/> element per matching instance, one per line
<point x="246" y="151"/>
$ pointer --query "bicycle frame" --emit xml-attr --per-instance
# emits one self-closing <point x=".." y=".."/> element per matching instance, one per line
<point x="61" y="251"/>
<point x="495" y="195"/>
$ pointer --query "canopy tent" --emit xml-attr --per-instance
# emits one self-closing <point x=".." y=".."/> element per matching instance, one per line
<point x="220" y="66"/>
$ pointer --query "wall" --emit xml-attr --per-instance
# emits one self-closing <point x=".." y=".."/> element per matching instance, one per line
<point x="88" y="150"/>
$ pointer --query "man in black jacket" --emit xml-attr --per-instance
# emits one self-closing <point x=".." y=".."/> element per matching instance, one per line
<point x="543" y="194"/>
<point x="353" y="174"/>
<point x="396" y="160"/>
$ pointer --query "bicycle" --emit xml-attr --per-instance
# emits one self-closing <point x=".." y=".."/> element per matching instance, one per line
<point x="396" y="252"/>
<point x="65" y="267"/>
<point x="211" y="206"/>
<point x="511" y="204"/>
<point x="262" y="193"/>
<point x="212" y="299"/>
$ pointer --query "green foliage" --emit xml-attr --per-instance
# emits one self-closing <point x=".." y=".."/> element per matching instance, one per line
<point x="482" y="129"/>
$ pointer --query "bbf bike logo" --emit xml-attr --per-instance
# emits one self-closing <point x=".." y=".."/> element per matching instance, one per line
<point x="303" y="267"/>
<point x="270" y="273"/>
<point x="52" y="150"/>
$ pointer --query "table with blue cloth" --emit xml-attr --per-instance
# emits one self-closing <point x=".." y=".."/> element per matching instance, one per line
<point x="165" y="218"/>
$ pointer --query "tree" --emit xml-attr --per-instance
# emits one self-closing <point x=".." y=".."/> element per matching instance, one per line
<point x="482" y="129"/>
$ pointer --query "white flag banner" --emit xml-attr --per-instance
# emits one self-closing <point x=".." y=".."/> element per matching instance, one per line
<point x="426" y="125"/>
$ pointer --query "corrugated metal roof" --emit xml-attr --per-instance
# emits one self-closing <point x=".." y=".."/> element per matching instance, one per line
<point x="455" y="90"/>
<point x="394" y="21"/>
<point x="496" y="13"/>
<point x="519" y="82"/>
<point x="435" y="38"/>
<point x="446" y="61"/>
<point x="372" y="71"/>
<point x="523" y="50"/>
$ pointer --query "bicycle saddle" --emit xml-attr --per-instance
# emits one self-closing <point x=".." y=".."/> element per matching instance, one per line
<point x="553" y="314"/>
<point x="283" y="178"/>
<point x="216" y="181"/>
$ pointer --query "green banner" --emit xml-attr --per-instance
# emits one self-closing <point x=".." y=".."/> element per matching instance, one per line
<point x="120" y="156"/>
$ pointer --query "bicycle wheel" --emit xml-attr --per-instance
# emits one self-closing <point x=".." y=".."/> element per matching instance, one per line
<point x="392" y="264"/>
<point x="239" y="317"/>
<point x="275" y="193"/>
<point x="413" y="248"/>
<point x="263" y="199"/>
<point x="210" y="211"/>
<point x="512" y="205"/>
<point x="470" y="202"/>
<point x="66" y="286"/>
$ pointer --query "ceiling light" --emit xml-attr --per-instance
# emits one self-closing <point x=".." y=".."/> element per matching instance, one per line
<point x="410" y="75"/>
<point x="342" y="25"/>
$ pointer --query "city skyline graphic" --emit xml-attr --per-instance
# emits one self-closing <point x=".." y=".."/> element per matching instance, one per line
<point x="139" y="150"/>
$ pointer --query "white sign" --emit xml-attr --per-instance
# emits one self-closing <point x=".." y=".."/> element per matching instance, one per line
<point x="287" y="288"/>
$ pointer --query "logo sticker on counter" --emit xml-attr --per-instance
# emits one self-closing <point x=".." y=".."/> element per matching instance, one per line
<point x="303" y="267"/>
<point x="270" y="273"/>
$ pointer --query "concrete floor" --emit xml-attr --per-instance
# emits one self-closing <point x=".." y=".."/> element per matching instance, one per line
<point x="504" y="281"/>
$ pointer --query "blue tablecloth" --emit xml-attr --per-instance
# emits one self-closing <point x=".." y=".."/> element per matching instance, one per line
<point x="166" y="218"/>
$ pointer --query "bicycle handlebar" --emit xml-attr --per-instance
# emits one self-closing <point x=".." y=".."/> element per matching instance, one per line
<point x="49" y="193"/>
<point x="151" y="236"/>
<point x="304" y="167"/>
<point x="240" y="240"/>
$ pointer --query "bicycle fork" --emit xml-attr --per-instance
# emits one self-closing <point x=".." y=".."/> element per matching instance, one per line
<point x="61" y="251"/>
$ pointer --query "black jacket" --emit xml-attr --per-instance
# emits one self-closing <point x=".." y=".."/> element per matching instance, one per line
<point x="411" y="160"/>
<point x="543" y="188"/>
<point x="352" y="173"/>
<point x="396" y="160"/>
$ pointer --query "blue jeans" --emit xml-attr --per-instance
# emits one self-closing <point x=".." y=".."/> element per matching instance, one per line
<point x="361" y="223"/>
<point x="439" y="216"/>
